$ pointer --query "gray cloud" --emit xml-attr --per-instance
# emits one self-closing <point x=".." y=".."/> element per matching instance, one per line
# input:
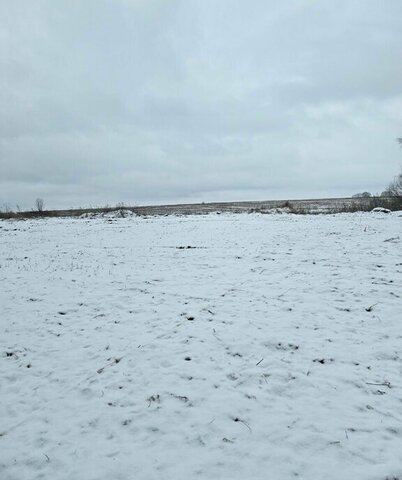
<point x="167" y="100"/>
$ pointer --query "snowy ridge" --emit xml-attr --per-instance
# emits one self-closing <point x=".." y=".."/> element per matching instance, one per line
<point x="212" y="347"/>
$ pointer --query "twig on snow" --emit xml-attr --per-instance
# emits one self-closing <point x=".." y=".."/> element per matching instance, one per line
<point x="383" y="384"/>
<point x="113" y="362"/>
<point x="243" y="422"/>
<point x="370" y="308"/>
<point x="5" y="432"/>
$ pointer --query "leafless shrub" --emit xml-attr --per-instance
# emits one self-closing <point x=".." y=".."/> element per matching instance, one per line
<point x="394" y="189"/>
<point x="39" y="204"/>
<point x="296" y="209"/>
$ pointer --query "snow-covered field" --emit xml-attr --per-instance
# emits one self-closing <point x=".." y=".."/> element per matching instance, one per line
<point x="270" y="349"/>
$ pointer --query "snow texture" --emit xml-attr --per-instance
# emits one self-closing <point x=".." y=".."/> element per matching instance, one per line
<point x="208" y="347"/>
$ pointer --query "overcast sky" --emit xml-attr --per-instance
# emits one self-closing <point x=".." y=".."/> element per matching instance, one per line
<point x="158" y="101"/>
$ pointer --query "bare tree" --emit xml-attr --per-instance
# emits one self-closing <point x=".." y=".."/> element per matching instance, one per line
<point x="39" y="204"/>
<point x="394" y="189"/>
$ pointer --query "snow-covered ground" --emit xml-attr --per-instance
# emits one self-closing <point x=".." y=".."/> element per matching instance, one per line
<point x="270" y="349"/>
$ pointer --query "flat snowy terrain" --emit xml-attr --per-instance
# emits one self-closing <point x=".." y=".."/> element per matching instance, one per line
<point x="270" y="349"/>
